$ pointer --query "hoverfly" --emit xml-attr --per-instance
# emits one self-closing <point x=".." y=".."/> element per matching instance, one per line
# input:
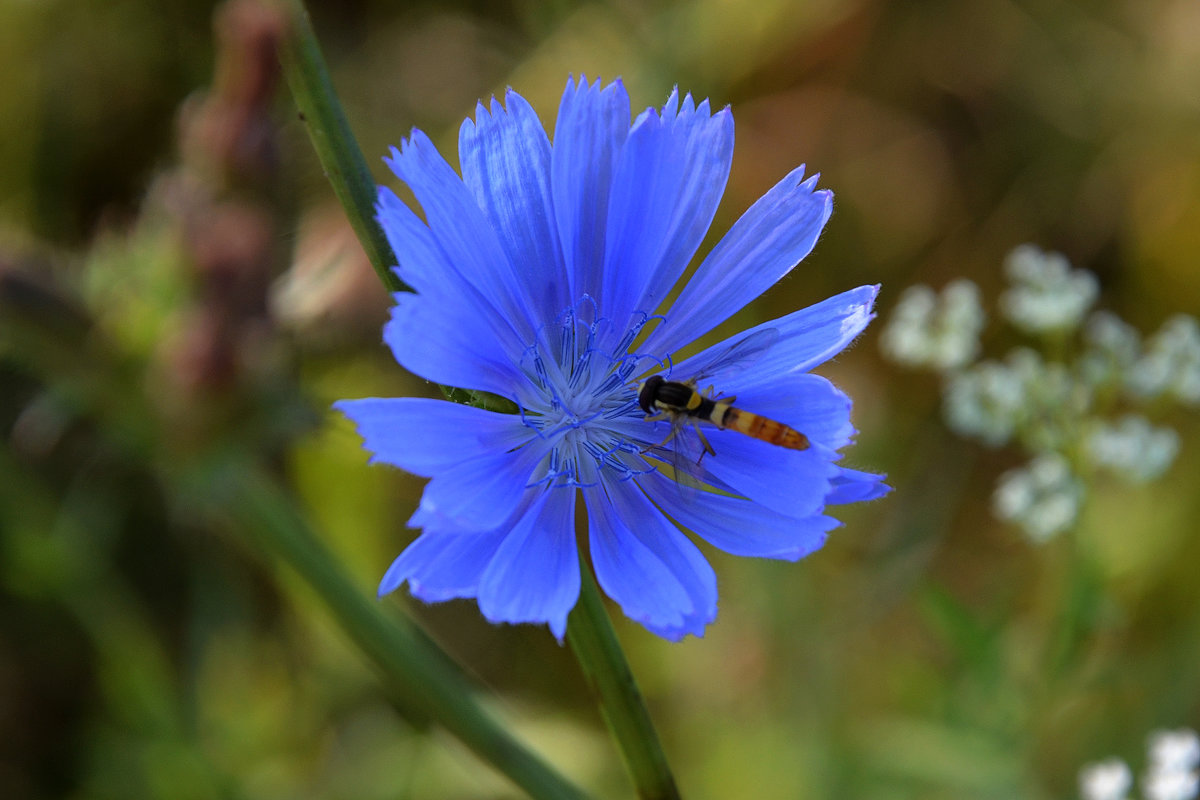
<point x="682" y="402"/>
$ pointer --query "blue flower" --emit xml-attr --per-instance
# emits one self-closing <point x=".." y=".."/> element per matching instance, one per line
<point x="541" y="275"/>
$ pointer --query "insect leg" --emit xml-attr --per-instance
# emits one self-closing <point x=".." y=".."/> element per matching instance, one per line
<point x="704" y="441"/>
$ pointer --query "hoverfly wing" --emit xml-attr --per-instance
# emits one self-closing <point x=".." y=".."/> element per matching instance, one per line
<point x="720" y="358"/>
<point x="681" y="453"/>
<point x="686" y="454"/>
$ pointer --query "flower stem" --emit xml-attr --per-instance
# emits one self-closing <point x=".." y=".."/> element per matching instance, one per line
<point x="424" y="681"/>
<point x="308" y="77"/>
<point x="594" y="642"/>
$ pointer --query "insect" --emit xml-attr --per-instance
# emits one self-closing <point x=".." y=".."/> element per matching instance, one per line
<point x="682" y="402"/>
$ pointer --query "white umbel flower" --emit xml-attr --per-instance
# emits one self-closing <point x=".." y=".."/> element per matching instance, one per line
<point x="1105" y="780"/>
<point x="1046" y="294"/>
<point x="1170" y="366"/>
<point x="1133" y="448"/>
<point x="1113" y="346"/>
<point x="1044" y="497"/>
<point x="1174" y="750"/>
<point x="935" y="331"/>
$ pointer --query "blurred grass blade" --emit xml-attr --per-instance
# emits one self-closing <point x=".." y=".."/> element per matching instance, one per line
<point x="308" y="77"/>
<point x="594" y="642"/>
<point x="423" y="678"/>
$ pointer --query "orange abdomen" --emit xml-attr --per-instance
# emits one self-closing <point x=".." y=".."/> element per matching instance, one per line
<point x="768" y="430"/>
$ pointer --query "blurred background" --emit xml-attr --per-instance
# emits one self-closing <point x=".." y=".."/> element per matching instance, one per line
<point x="178" y="289"/>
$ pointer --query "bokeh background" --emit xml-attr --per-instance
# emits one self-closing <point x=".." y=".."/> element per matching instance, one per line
<point x="179" y="286"/>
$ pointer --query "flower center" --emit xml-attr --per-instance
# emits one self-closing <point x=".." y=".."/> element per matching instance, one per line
<point x="585" y="401"/>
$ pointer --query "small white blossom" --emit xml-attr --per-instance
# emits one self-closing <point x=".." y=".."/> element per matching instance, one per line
<point x="1105" y="780"/>
<point x="1174" y="750"/>
<point x="1024" y="395"/>
<point x="1044" y="497"/>
<point x="1169" y="785"/>
<point x="1133" y="448"/>
<point x="1171" y="363"/>
<point x="1170" y="773"/>
<point x="1113" y="346"/>
<point x="1046" y="294"/>
<point x="940" y="332"/>
<point x="987" y="401"/>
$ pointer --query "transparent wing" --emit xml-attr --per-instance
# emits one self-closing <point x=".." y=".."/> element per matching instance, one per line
<point x="679" y="456"/>
<point x="738" y="355"/>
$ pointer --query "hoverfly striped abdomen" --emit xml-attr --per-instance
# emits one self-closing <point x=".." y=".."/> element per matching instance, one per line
<point x="681" y="400"/>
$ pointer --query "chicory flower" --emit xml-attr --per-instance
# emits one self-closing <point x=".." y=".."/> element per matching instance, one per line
<point x="540" y="276"/>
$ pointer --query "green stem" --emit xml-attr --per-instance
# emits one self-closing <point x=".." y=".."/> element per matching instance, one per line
<point x="592" y="638"/>
<point x="308" y="77"/>
<point x="422" y="677"/>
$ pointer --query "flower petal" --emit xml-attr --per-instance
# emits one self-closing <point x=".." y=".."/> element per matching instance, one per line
<point x="853" y="486"/>
<point x="738" y="526"/>
<point x="425" y="436"/>
<point x="642" y="561"/>
<point x="425" y="266"/>
<point x="768" y="240"/>
<point x="665" y="190"/>
<point x="505" y="158"/>
<point x="806" y="339"/>
<point x="462" y="232"/>
<point x="792" y="482"/>
<point x="480" y="493"/>
<point x="591" y="129"/>
<point x="534" y="576"/>
<point x="430" y="340"/>
<point x="442" y="566"/>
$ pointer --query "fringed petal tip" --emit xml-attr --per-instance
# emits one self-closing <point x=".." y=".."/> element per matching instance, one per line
<point x="575" y="84"/>
<point x="855" y="486"/>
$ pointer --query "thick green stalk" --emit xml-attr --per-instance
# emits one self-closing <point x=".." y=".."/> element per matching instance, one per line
<point x="306" y="73"/>
<point x="422" y="677"/>
<point x="592" y="638"/>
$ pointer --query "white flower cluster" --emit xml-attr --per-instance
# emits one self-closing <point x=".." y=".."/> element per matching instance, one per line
<point x="1110" y="779"/>
<point x="1113" y="347"/>
<point x="935" y="331"/>
<point x="1061" y="412"/>
<point x="1170" y="367"/>
<point x="986" y="401"/>
<point x="1046" y="294"/>
<point x="1133" y="448"/>
<point x="1043" y="497"/>
<point x="1170" y="774"/>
